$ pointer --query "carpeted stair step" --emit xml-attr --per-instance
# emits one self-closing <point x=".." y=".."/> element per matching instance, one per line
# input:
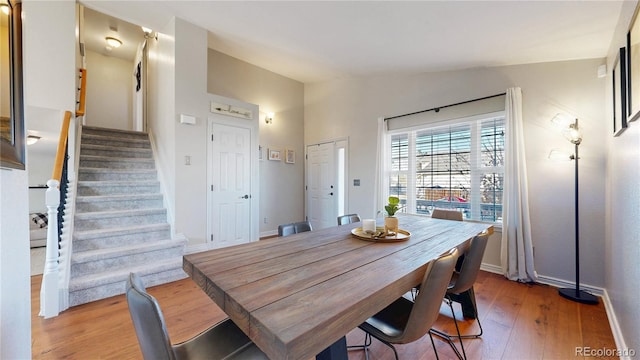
<point x="101" y="260"/>
<point x="121" y="236"/>
<point x="98" y="131"/>
<point x="101" y="188"/>
<point x="118" y="218"/>
<point x="113" y="151"/>
<point x="94" y="287"/>
<point x="91" y="161"/>
<point x="93" y="174"/>
<point x="116" y="141"/>
<point x="118" y="202"/>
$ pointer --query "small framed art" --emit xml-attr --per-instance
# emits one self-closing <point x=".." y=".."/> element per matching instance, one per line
<point x="274" y="155"/>
<point x="290" y="156"/>
<point x="619" y="94"/>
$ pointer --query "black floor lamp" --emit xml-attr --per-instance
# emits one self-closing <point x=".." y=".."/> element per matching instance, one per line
<point x="572" y="133"/>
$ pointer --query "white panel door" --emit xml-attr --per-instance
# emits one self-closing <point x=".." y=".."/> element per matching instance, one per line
<point x="321" y="192"/>
<point x="231" y="185"/>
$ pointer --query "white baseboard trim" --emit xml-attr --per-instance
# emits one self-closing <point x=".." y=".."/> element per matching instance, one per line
<point x="559" y="283"/>
<point x="491" y="268"/>
<point x="601" y="292"/>
<point x="615" y="327"/>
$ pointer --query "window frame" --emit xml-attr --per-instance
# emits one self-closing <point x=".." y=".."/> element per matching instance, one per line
<point x="477" y="170"/>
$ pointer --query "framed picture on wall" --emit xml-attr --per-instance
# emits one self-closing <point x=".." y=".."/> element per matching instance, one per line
<point x="619" y="94"/>
<point x="290" y="156"/>
<point x="633" y="68"/>
<point x="274" y="155"/>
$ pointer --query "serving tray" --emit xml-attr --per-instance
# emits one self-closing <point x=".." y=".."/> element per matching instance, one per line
<point x="379" y="236"/>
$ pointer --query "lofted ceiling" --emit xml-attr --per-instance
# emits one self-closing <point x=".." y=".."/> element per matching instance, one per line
<point x="313" y="41"/>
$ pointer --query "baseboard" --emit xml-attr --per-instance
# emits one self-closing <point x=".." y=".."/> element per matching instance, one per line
<point x="559" y="283"/>
<point x="615" y="327"/>
<point x="491" y="268"/>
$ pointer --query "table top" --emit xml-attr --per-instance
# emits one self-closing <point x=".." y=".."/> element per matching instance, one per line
<point x="295" y="296"/>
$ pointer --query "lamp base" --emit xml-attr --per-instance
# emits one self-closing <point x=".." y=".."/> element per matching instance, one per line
<point x="578" y="296"/>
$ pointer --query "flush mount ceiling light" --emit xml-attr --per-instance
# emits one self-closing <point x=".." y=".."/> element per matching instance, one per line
<point x="113" y="42"/>
<point x="32" y="139"/>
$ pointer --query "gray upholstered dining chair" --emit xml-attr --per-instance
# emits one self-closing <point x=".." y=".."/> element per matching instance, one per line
<point x="348" y="219"/>
<point x="460" y="290"/>
<point x="294" y="228"/>
<point x="223" y="340"/>
<point x="405" y="321"/>
<point x="447" y="214"/>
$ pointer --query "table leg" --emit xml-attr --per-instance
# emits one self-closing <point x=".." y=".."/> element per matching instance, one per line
<point x="467" y="300"/>
<point x="337" y="351"/>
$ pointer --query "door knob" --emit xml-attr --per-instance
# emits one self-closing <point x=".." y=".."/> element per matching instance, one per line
<point x="331" y="194"/>
<point x="244" y="197"/>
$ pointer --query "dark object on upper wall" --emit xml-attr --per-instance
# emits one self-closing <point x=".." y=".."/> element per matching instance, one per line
<point x="12" y="131"/>
<point x="633" y="68"/>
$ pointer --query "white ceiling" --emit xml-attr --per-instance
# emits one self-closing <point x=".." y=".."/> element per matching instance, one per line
<point x="313" y="41"/>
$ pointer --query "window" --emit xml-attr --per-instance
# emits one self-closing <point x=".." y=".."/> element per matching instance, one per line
<point x="458" y="166"/>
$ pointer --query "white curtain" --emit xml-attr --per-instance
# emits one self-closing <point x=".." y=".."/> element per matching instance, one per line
<point x="381" y="184"/>
<point x="517" y="248"/>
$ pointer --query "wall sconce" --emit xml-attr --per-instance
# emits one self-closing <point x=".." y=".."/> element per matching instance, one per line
<point x="5" y="9"/>
<point x="113" y="42"/>
<point x="268" y="118"/>
<point x="32" y="139"/>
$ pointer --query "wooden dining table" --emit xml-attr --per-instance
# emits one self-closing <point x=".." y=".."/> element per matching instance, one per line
<point x="297" y="297"/>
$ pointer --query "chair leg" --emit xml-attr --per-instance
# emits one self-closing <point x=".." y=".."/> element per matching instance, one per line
<point x="365" y="346"/>
<point x="449" y="338"/>
<point x="434" y="346"/>
<point x="367" y="343"/>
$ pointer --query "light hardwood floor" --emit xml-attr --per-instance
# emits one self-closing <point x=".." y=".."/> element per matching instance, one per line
<point x="520" y="322"/>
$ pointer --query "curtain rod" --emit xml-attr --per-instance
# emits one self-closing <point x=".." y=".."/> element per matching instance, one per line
<point x="437" y="109"/>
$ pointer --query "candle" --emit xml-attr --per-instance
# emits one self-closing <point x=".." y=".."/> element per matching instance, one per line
<point x="369" y="225"/>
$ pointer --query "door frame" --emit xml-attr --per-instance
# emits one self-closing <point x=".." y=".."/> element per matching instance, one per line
<point x="345" y="184"/>
<point x="253" y="126"/>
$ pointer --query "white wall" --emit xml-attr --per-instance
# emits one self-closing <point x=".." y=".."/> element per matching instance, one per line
<point x="161" y="109"/>
<point x="109" y="91"/>
<point x="191" y="140"/>
<point x="39" y="168"/>
<point x="49" y="82"/>
<point x="281" y="184"/>
<point x="623" y="210"/>
<point x="350" y="107"/>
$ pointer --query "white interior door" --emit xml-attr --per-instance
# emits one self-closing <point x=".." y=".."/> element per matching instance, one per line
<point x="321" y="185"/>
<point x="230" y="204"/>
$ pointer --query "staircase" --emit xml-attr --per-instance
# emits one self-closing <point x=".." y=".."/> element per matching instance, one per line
<point x="120" y="224"/>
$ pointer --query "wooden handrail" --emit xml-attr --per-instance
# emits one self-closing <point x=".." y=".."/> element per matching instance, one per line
<point x="62" y="144"/>
<point x="83" y="92"/>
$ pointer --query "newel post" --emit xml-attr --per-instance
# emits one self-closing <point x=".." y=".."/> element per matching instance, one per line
<point x="49" y="298"/>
